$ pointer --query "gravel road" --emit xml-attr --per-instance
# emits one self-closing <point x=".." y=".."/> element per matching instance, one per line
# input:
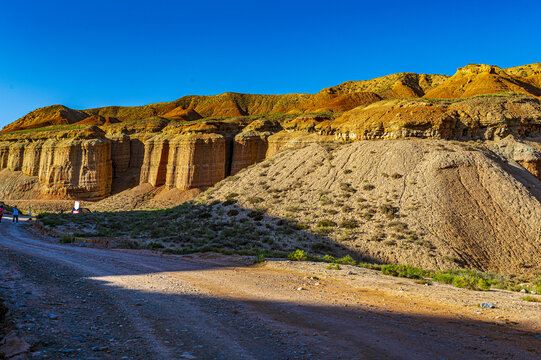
<point x="86" y="303"/>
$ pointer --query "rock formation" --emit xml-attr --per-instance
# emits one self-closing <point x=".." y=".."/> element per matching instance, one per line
<point x="73" y="164"/>
<point x="475" y="80"/>
<point x="90" y="154"/>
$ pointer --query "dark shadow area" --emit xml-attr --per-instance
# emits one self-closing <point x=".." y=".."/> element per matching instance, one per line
<point x="223" y="227"/>
<point x="196" y="228"/>
<point x="94" y="310"/>
<point x="519" y="173"/>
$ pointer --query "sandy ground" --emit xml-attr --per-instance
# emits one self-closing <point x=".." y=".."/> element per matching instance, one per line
<point x="77" y="302"/>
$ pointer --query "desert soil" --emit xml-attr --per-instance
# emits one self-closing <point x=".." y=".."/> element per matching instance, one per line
<point x="69" y="301"/>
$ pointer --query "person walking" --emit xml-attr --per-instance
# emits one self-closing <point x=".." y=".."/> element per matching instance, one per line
<point x="15" y="215"/>
<point x="1" y="212"/>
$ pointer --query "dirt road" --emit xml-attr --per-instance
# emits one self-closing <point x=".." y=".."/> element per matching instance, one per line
<point x="77" y="302"/>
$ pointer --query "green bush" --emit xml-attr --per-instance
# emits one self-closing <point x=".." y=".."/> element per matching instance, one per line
<point x="155" y="246"/>
<point x="471" y="282"/>
<point x="328" y="258"/>
<point x="325" y="223"/>
<point x="348" y="224"/>
<point x="463" y="279"/>
<point x="229" y="202"/>
<point x="231" y="196"/>
<point x="255" y="200"/>
<point x="405" y="271"/>
<point x="233" y="212"/>
<point x="325" y="200"/>
<point x="302" y="226"/>
<point x="255" y="215"/>
<point x="443" y="277"/>
<point x="346" y="260"/>
<point x="66" y="239"/>
<point x="333" y="267"/>
<point x="297" y="255"/>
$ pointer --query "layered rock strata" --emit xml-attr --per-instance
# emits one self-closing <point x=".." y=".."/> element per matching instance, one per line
<point x="71" y="165"/>
<point x="92" y="162"/>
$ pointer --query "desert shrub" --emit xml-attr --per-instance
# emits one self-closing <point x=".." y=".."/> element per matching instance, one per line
<point x="297" y="255"/>
<point x="49" y="220"/>
<point x="333" y="267"/>
<point x="233" y="212"/>
<point x="389" y="242"/>
<point x="346" y="260"/>
<point x="328" y="258"/>
<point x="229" y="202"/>
<point x="255" y="200"/>
<point x="302" y="226"/>
<point x="155" y="246"/>
<point x="325" y="223"/>
<point x="405" y="271"/>
<point x="348" y="224"/>
<point x="255" y="215"/>
<point x="385" y="175"/>
<point x="412" y="238"/>
<point x="231" y="195"/>
<point x="471" y="282"/>
<point x="347" y="209"/>
<point x="388" y="210"/>
<point x="66" y="239"/>
<point x="531" y="298"/>
<point x="398" y="225"/>
<point x="348" y="171"/>
<point x="347" y="187"/>
<point x="368" y="187"/>
<point x="205" y="215"/>
<point x="293" y="208"/>
<point x="325" y="200"/>
<point x="396" y="175"/>
<point x="463" y="279"/>
<point x="376" y="237"/>
<point x="331" y="211"/>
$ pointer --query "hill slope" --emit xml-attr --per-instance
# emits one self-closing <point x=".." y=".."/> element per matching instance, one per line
<point x="427" y="203"/>
<point x="474" y="80"/>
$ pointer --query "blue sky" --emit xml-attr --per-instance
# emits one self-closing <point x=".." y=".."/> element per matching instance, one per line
<point x="95" y="53"/>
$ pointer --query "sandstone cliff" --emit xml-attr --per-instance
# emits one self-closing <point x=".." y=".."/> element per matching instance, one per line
<point x="73" y="164"/>
<point x="475" y="118"/>
<point x="183" y="145"/>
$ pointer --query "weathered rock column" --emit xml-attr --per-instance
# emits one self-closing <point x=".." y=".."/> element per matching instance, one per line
<point x="196" y="161"/>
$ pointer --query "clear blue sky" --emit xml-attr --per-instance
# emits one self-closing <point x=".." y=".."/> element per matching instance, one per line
<point x="95" y="53"/>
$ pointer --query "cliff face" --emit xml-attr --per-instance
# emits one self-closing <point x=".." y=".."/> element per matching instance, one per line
<point x="107" y="150"/>
<point x="92" y="163"/>
<point x="76" y="165"/>
<point x="476" y="118"/>
<point x="184" y="161"/>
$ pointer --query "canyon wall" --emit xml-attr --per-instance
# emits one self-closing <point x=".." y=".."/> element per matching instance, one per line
<point x="93" y="163"/>
<point x="67" y="165"/>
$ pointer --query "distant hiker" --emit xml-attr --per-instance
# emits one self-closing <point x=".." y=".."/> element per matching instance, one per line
<point x="15" y="214"/>
<point x="75" y="211"/>
<point x="1" y="212"/>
